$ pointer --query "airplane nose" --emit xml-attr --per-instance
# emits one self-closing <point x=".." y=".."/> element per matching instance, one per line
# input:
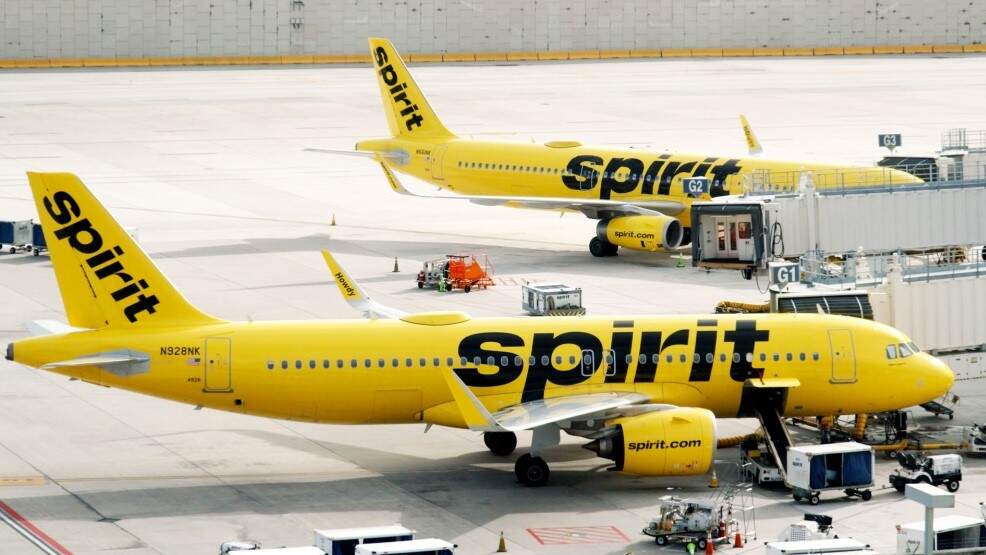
<point x="938" y="376"/>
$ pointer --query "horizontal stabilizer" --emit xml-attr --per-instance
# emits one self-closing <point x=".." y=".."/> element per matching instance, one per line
<point x="395" y="155"/>
<point x="122" y="363"/>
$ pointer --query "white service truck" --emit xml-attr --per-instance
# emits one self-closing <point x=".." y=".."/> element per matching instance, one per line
<point x="345" y="541"/>
<point x="427" y="546"/>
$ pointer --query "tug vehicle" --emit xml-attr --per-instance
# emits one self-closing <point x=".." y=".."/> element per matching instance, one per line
<point x="935" y="470"/>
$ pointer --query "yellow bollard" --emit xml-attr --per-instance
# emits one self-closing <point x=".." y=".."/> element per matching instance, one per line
<point x="502" y="548"/>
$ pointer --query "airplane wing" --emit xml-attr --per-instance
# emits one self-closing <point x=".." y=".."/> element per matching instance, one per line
<point x="592" y="208"/>
<point x="752" y="143"/>
<point x="354" y="294"/>
<point x="533" y="414"/>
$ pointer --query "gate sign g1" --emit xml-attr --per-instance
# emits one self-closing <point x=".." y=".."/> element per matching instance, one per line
<point x="695" y="186"/>
<point x="783" y="273"/>
<point x="890" y="140"/>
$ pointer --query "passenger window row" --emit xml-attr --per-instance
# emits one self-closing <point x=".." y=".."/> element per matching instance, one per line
<point x="512" y="168"/>
<point x="517" y="360"/>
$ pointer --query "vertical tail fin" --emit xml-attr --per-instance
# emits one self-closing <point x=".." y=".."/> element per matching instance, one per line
<point x="104" y="277"/>
<point x="752" y="144"/>
<point x="408" y="113"/>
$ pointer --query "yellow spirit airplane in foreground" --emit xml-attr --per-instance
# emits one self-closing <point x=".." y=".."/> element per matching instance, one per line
<point x="645" y="390"/>
<point x="640" y="198"/>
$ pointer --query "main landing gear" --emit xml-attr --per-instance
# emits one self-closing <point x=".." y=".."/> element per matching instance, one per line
<point x="532" y="471"/>
<point x="500" y="444"/>
<point x="601" y="248"/>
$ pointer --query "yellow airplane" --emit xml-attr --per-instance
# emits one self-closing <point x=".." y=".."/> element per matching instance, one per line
<point x="641" y="199"/>
<point x="645" y="390"/>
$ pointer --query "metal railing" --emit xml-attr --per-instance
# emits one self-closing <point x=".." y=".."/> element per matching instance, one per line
<point x="851" y="269"/>
<point x="787" y="183"/>
<point x="963" y="139"/>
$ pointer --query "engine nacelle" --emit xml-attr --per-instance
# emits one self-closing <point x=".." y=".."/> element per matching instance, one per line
<point x="642" y="233"/>
<point x="675" y="442"/>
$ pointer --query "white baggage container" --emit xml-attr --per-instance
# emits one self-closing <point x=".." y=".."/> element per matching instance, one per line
<point x="813" y="469"/>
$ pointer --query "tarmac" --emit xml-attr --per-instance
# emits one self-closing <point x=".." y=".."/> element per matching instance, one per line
<point x="207" y="167"/>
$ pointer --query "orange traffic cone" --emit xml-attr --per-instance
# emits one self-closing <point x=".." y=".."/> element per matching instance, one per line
<point x="502" y="548"/>
<point x="710" y="547"/>
<point x="739" y="540"/>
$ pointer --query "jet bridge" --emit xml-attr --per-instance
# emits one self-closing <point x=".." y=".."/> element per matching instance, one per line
<point x="745" y="232"/>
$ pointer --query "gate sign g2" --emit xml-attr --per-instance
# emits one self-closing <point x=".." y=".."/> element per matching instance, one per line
<point x="890" y="140"/>
<point x="695" y="186"/>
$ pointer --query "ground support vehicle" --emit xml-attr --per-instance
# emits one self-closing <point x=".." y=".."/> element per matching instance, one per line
<point x="935" y="470"/>
<point x="762" y="470"/>
<point x="551" y="299"/>
<point x="16" y="236"/>
<point x="691" y="521"/>
<point x="428" y="546"/>
<point x="456" y="271"/>
<point x="814" y="469"/>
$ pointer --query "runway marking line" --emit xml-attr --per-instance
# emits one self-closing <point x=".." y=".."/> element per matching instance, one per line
<point x="22" y="480"/>
<point x="567" y="535"/>
<point x="27" y="526"/>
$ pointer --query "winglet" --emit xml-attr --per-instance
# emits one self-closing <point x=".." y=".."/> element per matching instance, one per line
<point x="354" y="294"/>
<point x="473" y="412"/>
<point x="752" y="144"/>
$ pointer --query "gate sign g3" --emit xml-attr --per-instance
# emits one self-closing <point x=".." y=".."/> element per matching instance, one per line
<point x="890" y="140"/>
<point x="783" y="273"/>
<point x="695" y="186"/>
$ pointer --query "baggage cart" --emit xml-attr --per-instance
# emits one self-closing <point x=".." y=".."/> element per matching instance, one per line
<point x="551" y="299"/>
<point x="814" y="469"/>
<point x="16" y="236"/>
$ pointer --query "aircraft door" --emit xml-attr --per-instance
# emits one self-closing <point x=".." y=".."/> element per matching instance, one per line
<point x="744" y="237"/>
<point x="218" y="370"/>
<point x="843" y="356"/>
<point x="437" y="161"/>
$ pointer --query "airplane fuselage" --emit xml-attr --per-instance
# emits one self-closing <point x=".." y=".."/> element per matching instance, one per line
<point x="570" y="170"/>
<point x="391" y="371"/>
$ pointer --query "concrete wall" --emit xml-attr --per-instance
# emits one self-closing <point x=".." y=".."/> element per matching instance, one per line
<point x="144" y="28"/>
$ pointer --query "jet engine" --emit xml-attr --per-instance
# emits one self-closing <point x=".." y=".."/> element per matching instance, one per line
<point x="674" y="442"/>
<point x="642" y="233"/>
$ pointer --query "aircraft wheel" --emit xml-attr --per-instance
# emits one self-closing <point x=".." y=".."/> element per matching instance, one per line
<point x="500" y="444"/>
<point x="532" y="471"/>
<point x="952" y="485"/>
<point x="597" y="248"/>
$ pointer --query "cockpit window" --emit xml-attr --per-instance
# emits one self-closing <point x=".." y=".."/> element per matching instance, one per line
<point x="914" y="348"/>
<point x="891" y="351"/>
<point x="905" y="351"/>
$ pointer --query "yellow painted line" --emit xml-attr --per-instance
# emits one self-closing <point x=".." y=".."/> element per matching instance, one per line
<point x="858" y="50"/>
<point x="707" y="52"/>
<point x="297" y="59"/>
<point x="768" y="51"/>
<point x="918" y="49"/>
<point x="799" y="52"/>
<point x="583" y="55"/>
<point x="521" y="56"/>
<point x="645" y="53"/>
<point x="614" y="53"/>
<point x="676" y="53"/>
<point x="35" y="480"/>
<point x="425" y="57"/>
<point x="459" y="57"/>
<point x="490" y="56"/>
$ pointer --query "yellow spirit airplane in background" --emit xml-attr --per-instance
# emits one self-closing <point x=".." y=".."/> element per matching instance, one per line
<point x="638" y="197"/>
<point x="644" y="390"/>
